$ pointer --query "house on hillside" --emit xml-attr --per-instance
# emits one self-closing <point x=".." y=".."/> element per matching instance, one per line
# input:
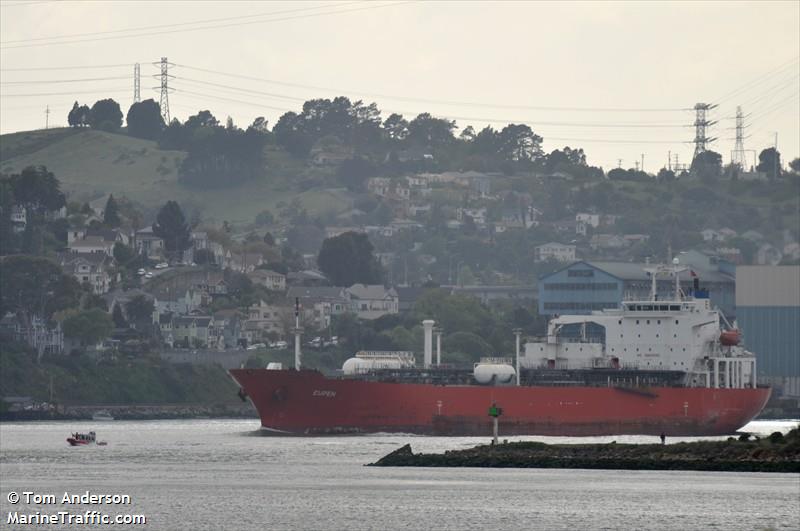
<point x="554" y="251"/>
<point x="91" y="269"/>
<point x="373" y="300"/>
<point x="269" y="279"/>
<point x="330" y="151"/>
<point x="19" y="218"/>
<point x="193" y="330"/>
<point x="148" y="244"/>
<point x="263" y="319"/>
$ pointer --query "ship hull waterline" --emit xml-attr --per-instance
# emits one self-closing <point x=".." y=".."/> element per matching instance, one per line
<point x="307" y="403"/>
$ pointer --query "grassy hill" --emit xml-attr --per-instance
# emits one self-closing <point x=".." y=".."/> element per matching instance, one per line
<point x="92" y="163"/>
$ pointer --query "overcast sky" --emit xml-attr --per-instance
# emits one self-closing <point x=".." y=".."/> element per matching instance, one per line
<point x="613" y="78"/>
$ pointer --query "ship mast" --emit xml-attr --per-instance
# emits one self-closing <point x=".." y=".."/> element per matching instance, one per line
<point x="297" y="332"/>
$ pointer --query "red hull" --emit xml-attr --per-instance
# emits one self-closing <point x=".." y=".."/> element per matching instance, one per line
<point x="306" y="402"/>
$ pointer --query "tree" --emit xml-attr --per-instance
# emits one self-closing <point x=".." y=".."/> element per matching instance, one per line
<point x="171" y="226"/>
<point x="78" y="116"/>
<point x="707" y="165"/>
<point x="265" y="217"/>
<point x="795" y="165"/>
<point x="427" y="131"/>
<point x="347" y="259"/>
<point x="140" y="309"/>
<point x="111" y="213"/>
<point x="36" y="286"/>
<point x="665" y="175"/>
<point x="37" y="190"/>
<point x="105" y="115"/>
<point x="144" y="120"/>
<point x="88" y="326"/>
<point x="118" y="317"/>
<point x="395" y="127"/>
<point x="353" y="173"/>
<point x="769" y="162"/>
<point x="204" y="257"/>
<point x="519" y="143"/>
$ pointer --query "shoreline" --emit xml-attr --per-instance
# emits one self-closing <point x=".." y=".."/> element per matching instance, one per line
<point x="134" y="412"/>
<point x="776" y="453"/>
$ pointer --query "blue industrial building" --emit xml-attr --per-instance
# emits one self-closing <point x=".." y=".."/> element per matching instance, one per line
<point x="583" y="287"/>
<point x="768" y="313"/>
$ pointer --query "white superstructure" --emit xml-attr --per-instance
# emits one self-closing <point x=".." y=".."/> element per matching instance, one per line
<point x="682" y="335"/>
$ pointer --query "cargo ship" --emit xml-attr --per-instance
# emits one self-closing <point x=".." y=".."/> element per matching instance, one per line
<point x="672" y="366"/>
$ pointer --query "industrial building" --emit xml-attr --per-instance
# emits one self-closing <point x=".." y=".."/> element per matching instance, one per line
<point x="768" y="313"/>
<point x="583" y="287"/>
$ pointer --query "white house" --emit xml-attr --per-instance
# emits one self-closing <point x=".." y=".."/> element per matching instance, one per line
<point x="556" y="251"/>
<point x="90" y="268"/>
<point x="592" y="220"/>
<point x="269" y="279"/>
<point x="373" y="300"/>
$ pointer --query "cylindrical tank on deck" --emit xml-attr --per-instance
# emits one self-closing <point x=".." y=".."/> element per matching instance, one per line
<point x="361" y="365"/>
<point x="498" y="373"/>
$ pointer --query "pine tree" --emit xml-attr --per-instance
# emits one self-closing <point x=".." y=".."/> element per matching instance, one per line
<point x="111" y="214"/>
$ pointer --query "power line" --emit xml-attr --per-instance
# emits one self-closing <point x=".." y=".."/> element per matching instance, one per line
<point x="41" y="81"/>
<point x="432" y="101"/>
<point x="760" y="79"/>
<point x="84" y="67"/>
<point x="95" y="91"/>
<point x="172" y="25"/>
<point x="216" y="26"/>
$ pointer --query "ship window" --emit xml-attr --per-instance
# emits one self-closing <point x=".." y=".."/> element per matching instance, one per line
<point x="637" y="321"/>
<point x="675" y="308"/>
<point x="676" y="321"/>
<point x="638" y="335"/>
<point x="648" y="321"/>
<point x="684" y="349"/>
<point x="656" y="335"/>
<point x="637" y="349"/>
<point x="658" y="322"/>
<point x="674" y="335"/>
<point x="664" y="308"/>
<point x="620" y="321"/>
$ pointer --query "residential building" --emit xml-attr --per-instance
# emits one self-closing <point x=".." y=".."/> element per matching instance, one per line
<point x="478" y="215"/>
<point x="148" y="244"/>
<point x="193" y="330"/>
<point x="768" y="313"/>
<point x="320" y="303"/>
<point x="92" y="245"/>
<point x="19" y="218"/>
<point x="308" y="277"/>
<point x="37" y="333"/>
<point x="607" y="242"/>
<point x="592" y="220"/>
<point x="372" y="301"/>
<point x="554" y="251"/>
<point x="263" y="319"/>
<point x="269" y="279"/>
<point x="91" y="269"/>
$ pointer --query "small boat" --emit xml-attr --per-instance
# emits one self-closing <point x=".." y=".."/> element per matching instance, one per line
<point x="84" y="439"/>
<point x="102" y="416"/>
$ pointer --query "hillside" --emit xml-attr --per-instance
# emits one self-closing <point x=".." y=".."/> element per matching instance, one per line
<point x="92" y="163"/>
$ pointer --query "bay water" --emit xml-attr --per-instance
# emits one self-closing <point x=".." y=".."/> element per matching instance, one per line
<point x="222" y="474"/>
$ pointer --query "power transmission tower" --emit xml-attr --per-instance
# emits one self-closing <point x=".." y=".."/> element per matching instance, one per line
<point x="738" y="156"/>
<point x="164" y="76"/>
<point x="701" y="122"/>
<point x="137" y="97"/>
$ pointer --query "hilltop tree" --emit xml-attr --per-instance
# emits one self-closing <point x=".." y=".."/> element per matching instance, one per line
<point x="347" y="259"/>
<point x="144" y="120"/>
<point x="707" y="165"/>
<point x="171" y="226"/>
<point x="519" y="143"/>
<point x="78" y="116"/>
<point x="427" y="131"/>
<point x="111" y="213"/>
<point x="395" y="127"/>
<point x="106" y="115"/>
<point x="769" y="162"/>
<point x="795" y="165"/>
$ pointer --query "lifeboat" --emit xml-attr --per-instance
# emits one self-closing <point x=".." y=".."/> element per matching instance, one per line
<point x="730" y="338"/>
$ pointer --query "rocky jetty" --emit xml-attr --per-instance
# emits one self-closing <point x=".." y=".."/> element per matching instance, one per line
<point x="776" y="453"/>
